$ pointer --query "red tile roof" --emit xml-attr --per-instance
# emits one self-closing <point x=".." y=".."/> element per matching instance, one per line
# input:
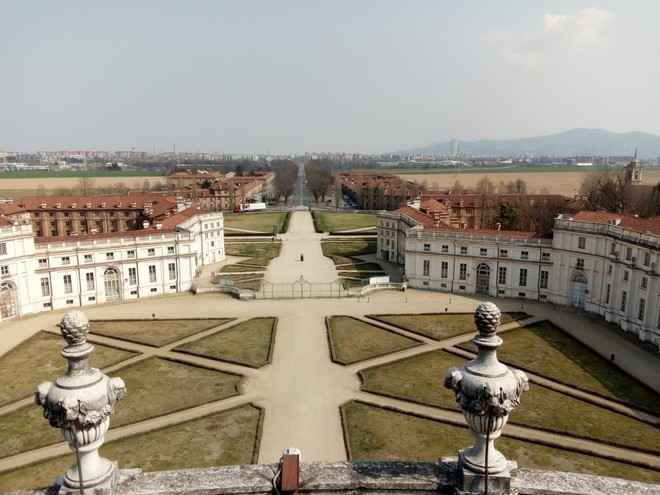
<point x="631" y="222"/>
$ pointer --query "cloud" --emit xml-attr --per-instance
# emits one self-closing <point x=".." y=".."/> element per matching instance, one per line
<point x="571" y="31"/>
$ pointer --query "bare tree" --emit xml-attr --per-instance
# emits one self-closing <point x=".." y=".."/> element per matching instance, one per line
<point x="286" y="172"/>
<point x="319" y="179"/>
<point x="85" y="185"/>
<point x="607" y="189"/>
<point x="485" y="188"/>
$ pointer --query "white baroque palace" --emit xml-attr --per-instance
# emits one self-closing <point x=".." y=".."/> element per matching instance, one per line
<point x="598" y="262"/>
<point x="40" y="274"/>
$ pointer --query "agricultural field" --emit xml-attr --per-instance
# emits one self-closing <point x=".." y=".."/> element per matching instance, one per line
<point x="562" y="181"/>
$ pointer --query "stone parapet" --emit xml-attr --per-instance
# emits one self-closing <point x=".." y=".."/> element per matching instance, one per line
<point x="377" y="478"/>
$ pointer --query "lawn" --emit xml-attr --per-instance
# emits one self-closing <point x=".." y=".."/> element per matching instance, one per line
<point x="419" y="379"/>
<point x="262" y="222"/>
<point x="155" y="333"/>
<point x="156" y="387"/>
<point x="377" y="434"/>
<point x="545" y="349"/>
<point x="259" y="253"/>
<point x="226" y="438"/>
<point x="439" y="326"/>
<point x="38" y="359"/>
<point x="248" y="343"/>
<point x="336" y="222"/>
<point x="342" y="252"/>
<point x="353" y="340"/>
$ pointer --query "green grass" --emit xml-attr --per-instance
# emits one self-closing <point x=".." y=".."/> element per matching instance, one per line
<point x="261" y="222"/>
<point x="376" y="434"/>
<point x="38" y="359"/>
<point x="545" y="349"/>
<point x="155" y="333"/>
<point x="222" y="439"/>
<point x="352" y="340"/>
<point x="248" y="343"/>
<point x="419" y="379"/>
<point x="343" y="222"/>
<point x="259" y="253"/>
<point x="156" y="387"/>
<point x="439" y="326"/>
<point x="342" y="251"/>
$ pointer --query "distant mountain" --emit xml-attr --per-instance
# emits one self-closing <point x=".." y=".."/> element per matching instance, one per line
<point x="573" y="142"/>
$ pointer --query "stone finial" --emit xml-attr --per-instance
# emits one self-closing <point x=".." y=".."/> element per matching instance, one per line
<point x="487" y="392"/>
<point x="80" y="404"/>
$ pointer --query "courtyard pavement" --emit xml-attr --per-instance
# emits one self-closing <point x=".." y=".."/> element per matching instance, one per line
<point x="302" y="390"/>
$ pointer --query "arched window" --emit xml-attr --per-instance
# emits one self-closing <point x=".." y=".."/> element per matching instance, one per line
<point x="111" y="283"/>
<point x="7" y="300"/>
<point x="483" y="279"/>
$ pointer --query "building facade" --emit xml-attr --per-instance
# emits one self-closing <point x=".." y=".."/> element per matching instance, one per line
<point x="597" y="262"/>
<point x="41" y="274"/>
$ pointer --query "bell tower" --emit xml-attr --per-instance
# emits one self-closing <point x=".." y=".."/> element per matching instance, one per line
<point x="634" y="171"/>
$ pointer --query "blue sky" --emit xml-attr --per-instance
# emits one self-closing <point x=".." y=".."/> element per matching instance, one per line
<point x="363" y="76"/>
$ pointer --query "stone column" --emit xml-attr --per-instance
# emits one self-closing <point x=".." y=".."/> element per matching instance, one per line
<point x="80" y="404"/>
<point x="487" y="391"/>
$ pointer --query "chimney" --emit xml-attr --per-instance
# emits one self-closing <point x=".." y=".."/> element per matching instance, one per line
<point x="145" y="224"/>
<point x="58" y="205"/>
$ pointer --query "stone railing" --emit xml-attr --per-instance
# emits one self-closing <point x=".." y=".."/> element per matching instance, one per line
<point x="237" y="292"/>
<point x="325" y="478"/>
<point x="377" y="286"/>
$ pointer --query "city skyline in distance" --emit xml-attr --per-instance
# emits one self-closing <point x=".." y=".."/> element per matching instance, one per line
<point x="292" y="76"/>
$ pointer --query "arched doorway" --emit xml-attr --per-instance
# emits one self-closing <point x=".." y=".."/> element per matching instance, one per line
<point x="7" y="301"/>
<point x="578" y="291"/>
<point x="111" y="283"/>
<point x="483" y="279"/>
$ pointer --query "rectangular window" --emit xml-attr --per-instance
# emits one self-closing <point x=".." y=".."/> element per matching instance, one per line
<point x="45" y="286"/>
<point x="170" y="249"/>
<point x="504" y="253"/>
<point x="462" y="271"/>
<point x="89" y="278"/>
<point x="444" y="269"/>
<point x="151" y="252"/>
<point x="43" y="263"/>
<point x="545" y="256"/>
<point x="3" y="248"/>
<point x="68" y="285"/>
<point x="647" y="259"/>
<point x="582" y="242"/>
<point x="427" y="247"/>
<point x="613" y="248"/>
<point x="152" y="273"/>
<point x="445" y="249"/>
<point x="579" y="263"/>
<point x="4" y="270"/>
<point x="522" y="279"/>
<point x="483" y="252"/>
<point x="464" y="250"/>
<point x="644" y="283"/>
<point x="624" y="296"/>
<point x="640" y="309"/>
<point x="501" y="276"/>
<point x="130" y="254"/>
<point x="171" y="270"/>
<point x="626" y="276"/>
<point x="109" y="256"/>
<point x="66" y="260"/>
<point x="609" y="269"/>
<point x="524" y="255"/>
<point x="545" y="275"/>
<point x="132" y="276"/>
<point x="88" y="258"/>
<point x="426" y="268"/>
<point x="608" y="293"/>
<point x="628" y="253"/>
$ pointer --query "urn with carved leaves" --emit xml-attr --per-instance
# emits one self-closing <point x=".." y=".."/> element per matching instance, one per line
<point x="80" y="404"/>
<point x="487" y="391"/>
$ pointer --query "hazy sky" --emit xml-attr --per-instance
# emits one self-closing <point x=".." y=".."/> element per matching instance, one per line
<point x="312" y="75"/>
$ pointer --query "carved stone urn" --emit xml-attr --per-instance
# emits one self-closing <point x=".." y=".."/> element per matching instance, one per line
<point x="487" y="391"/>
<point x="80" y="404"/>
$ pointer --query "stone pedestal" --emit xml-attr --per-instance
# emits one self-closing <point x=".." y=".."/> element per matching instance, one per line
<point x="471" y="483"/>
